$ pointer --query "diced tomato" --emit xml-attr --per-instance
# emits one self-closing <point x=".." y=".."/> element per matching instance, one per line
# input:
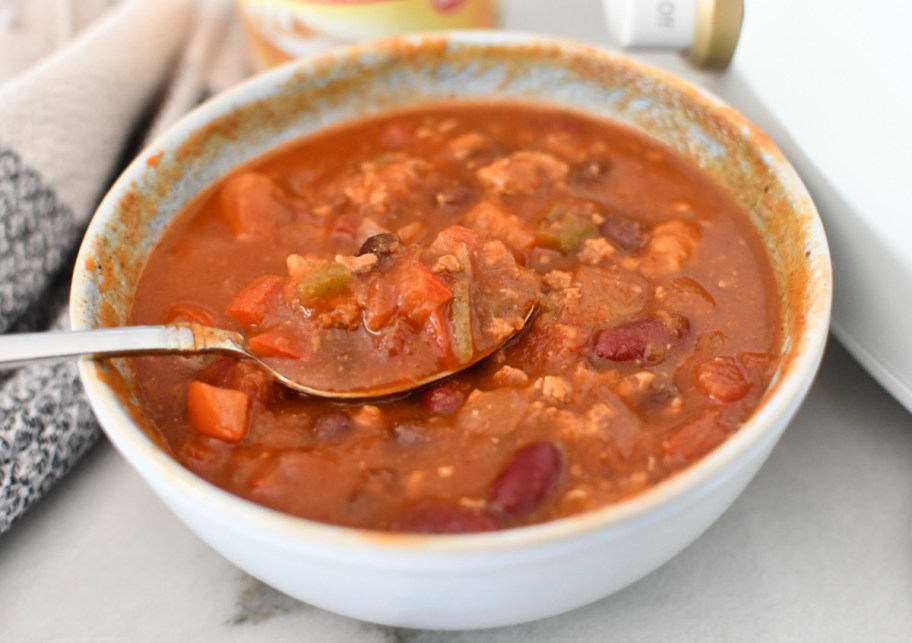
<point x="437" y="328"/>
<point x="461" y="234"/>
<point x="723" y="379"/>
<point x="250" y="305"/>
<point x="218" y="412"/>
<point x="550" y="346"/>
<point x="191" y="313"/>
<point x="694" y="439"/>
<point x="380" y="305"/>
<point x="458" y="241"/>
<point x="758" y="365"/>
<point x="412" y="291"/>
<point x="421" y="292"/>
<point x="275" y="343"/>
<point x="249" y="205"/>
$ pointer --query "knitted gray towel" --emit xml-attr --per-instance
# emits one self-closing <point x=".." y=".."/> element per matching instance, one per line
<point x="45" y="425"/>
<point x="64" y="121"/>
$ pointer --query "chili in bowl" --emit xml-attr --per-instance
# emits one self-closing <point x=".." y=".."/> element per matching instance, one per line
<point x="400" y="204"/>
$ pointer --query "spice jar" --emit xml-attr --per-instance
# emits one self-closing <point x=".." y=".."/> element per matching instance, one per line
<point x="280" y="30"/>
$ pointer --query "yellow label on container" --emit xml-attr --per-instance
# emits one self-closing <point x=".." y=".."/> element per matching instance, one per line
<point x="285" y="29"/>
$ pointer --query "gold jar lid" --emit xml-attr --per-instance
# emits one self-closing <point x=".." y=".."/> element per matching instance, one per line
<point x="716" y="31"/>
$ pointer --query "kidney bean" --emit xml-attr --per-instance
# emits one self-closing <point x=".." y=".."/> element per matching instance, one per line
<point x="646" y="339"/>
<point x="443" y="398"/>
<point x="524" y="483"/>
<point x="627" y="233"/>
<point x="332" y="425"/>
<point x="445" y="519"/>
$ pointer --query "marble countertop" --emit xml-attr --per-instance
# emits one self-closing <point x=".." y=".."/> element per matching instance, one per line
<point x="819" y="547"/>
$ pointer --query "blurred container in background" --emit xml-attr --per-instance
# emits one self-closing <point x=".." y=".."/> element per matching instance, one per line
<point x="280" y="30"/>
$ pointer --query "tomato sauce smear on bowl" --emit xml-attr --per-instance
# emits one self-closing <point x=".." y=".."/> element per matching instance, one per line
<point x="416" y="237"/>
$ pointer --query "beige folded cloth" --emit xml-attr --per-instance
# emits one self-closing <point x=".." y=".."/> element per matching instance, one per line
<point x="80" y="82"/>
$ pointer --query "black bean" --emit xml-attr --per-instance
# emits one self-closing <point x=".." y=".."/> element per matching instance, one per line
<point x="629" y="234"/>
<point x="383" y="244"/>
<point x="408" y="433"/>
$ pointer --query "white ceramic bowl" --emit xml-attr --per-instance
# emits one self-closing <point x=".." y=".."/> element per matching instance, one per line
<point x="465" y="581"/>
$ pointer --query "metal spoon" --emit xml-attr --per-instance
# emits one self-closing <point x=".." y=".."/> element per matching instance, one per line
<point x="29" y="348"/>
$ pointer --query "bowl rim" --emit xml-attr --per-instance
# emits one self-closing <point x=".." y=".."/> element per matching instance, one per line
<point x="263" y="523"/>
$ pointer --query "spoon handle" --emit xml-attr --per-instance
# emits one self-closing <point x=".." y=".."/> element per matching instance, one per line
<point x="28" y="348"/>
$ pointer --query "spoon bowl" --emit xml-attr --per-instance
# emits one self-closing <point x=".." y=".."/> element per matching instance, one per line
<point x="28" y="348"/>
